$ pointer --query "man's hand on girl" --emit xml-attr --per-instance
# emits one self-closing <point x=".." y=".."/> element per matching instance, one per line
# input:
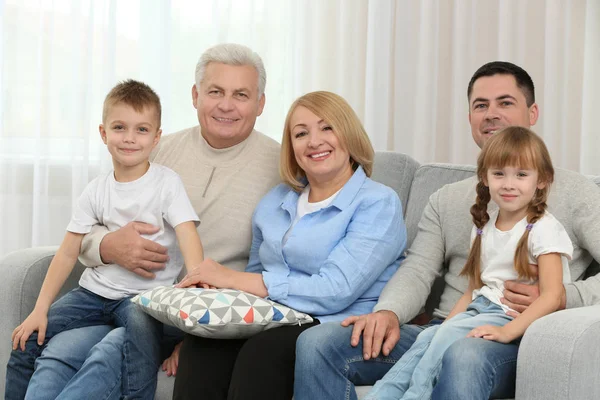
<point x="518" y="296"/>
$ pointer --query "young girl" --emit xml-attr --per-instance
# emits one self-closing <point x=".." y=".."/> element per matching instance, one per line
<point x="519" y="240"/>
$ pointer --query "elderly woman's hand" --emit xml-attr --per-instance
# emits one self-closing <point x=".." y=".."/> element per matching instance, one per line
<point x="209" y="274"/>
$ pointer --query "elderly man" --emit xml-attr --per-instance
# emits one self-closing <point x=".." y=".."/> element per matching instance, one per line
<point x="226" y="167"/>
<point x="331" y="358"/>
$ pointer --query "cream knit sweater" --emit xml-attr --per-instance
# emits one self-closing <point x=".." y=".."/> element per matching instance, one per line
<point x="224" y="186"/>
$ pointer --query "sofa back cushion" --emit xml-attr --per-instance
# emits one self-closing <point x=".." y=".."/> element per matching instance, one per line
<point x="428" y="179"/>
<point x="395" y="170"/>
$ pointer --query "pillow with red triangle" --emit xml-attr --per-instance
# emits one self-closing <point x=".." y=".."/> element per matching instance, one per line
<point x="216" y="313"/>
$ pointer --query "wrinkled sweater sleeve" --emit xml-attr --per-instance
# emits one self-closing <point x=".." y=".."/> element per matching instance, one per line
<point x="407" y="291"/>
<point x="89" y="254"/>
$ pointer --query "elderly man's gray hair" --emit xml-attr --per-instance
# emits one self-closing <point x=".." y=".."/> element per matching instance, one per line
<point x="232" y="54"/>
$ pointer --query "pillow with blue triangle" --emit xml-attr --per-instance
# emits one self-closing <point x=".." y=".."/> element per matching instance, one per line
<point x="216" y="313"/>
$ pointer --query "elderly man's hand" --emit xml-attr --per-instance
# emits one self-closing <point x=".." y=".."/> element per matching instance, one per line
<point x="380" y="331"/>
<point x="518" y="296"/>
<point x="130" y="250"/>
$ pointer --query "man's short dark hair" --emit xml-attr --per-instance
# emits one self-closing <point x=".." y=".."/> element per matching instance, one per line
<point x="524" y="82"/>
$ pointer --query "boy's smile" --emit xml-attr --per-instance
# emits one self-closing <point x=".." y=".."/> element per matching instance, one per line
<point x="130" y="137"/>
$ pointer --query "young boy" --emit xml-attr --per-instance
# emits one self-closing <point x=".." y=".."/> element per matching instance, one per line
<point x="135" y="191"/>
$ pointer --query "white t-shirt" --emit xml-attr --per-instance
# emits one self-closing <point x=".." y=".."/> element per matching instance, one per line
<point x="304" y="207"/>
<point x="157" y="198"/>
<point x="498" y="252"/>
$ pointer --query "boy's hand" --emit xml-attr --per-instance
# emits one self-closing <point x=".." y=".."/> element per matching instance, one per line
<point x="170" y="364"/>
<point x="36" y="321"/>
<point x="491" y="332"/>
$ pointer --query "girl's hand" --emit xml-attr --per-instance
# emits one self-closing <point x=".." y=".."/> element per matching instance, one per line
<point x="170" y="364"/>
<point x="36" y="321"/>
<point x="491" y="332"/>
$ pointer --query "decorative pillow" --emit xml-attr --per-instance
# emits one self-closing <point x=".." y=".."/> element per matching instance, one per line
<point x="216" y="313"/>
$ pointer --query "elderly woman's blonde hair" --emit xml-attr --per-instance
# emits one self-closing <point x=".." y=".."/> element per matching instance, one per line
<point x="334" y="110"/>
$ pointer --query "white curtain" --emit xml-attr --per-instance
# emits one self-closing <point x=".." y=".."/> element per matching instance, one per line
<point x="403" y="65"/>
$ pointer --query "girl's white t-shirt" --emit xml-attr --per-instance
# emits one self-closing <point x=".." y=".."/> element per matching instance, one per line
<point x="498" y="251"/>
<point x="157" y="198"/>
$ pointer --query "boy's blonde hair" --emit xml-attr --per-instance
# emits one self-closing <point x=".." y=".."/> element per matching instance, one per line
<point x="346" y="126"/>
<point x="518" y="147"/>
<point x="136" y="94"/>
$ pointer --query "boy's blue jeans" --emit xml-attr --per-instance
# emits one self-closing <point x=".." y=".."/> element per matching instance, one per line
<point x="80" y="308"/>
<point x="415" y="374"/>
<point x="80" y="363"/>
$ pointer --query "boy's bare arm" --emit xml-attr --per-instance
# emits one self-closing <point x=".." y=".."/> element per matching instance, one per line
<point x="190" y="245"/>
<point x="60" y="268"/>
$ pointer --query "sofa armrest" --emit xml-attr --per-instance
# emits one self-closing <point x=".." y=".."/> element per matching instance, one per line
<point x="21" y="275"/>
<point x="559" y="356"/>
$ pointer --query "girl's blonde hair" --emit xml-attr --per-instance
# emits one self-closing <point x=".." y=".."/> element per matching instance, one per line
<point x="518" y="147"/>
<point x="346" y="126"/>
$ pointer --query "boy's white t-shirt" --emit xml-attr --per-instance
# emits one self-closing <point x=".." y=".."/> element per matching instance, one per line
<point x="498" y="252"/>
<point x="157" y="198"/>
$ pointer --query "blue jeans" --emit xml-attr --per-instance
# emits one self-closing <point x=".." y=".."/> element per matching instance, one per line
<point x="80" y="363"/>
<point x="415" y="374"/>
<point x="328" y="367"/>
<point x="474" y="368"/>
<point x="81" y="308"/>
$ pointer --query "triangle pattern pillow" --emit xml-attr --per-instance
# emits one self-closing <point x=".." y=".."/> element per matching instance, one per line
<point x="216" y="313"/>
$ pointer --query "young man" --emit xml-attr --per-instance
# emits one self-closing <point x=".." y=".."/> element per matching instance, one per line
<point x="331" y="359"/>
<point x="226" y="167"/>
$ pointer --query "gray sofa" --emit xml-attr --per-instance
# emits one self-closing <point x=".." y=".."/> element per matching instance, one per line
<point x="559" y="356"/>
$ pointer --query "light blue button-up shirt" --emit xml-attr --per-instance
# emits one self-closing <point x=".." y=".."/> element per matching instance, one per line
<point x="336" y="260"/>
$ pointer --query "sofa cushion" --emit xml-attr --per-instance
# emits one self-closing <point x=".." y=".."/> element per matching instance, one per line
<point x="396" y="171"/>
<point x="216" y="313"/>
<point x="427" y="180"/>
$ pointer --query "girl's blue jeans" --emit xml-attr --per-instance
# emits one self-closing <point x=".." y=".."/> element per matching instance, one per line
<point x="415" y="374"/>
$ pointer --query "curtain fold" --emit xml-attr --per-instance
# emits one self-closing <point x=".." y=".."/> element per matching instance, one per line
<point x="403" y="65"/>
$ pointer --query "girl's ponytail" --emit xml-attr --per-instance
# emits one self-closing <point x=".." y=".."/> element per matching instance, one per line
<point x="472" y="268"/>
<point x="536" y="210"/>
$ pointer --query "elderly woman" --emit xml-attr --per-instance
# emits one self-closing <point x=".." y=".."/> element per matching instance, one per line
<point x="325" y="242"/>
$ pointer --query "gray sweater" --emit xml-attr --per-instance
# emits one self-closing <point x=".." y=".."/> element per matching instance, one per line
<point x="442" y="245"/>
